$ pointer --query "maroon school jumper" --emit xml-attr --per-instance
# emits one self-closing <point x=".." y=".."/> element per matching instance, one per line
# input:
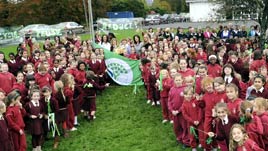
<point x="23" y="91"/>
<point x="175" y="101"/>
<point x="94" y="66"/>
<point x="264" y="120"/>
<point x="62" y="115"/>
<point x="54" y="106"/>
<point x="90" y="95"/>
<point x="68" y="92"/>
<point x="191" y="112"/>
<point x="154" y="93"/>
<point x="209" y="102"/>
<point x="187" y="72"/>
<point x="44" y="80"/>
<point x="255" y="130"/>
<point x="7" y="80"/>
<point x="5" y="141"/>
<point x="234" y="106"/>
<point x="35" y="125"/>
<point x="263" y="94"/>
<point x="215" y="70"/>
<point x="13" y="66"/>
<point x="15" y="123"/>
<point x="223" y="131"/>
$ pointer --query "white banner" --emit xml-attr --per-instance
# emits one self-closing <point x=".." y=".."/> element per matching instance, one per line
<point x="119" y="23"/>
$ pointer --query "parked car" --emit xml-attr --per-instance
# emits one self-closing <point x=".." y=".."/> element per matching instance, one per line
<point x="39" y="31"/>
<point x="167" y="18"/>
<point x="67" y="26"/>
<point x="152" y="19"/>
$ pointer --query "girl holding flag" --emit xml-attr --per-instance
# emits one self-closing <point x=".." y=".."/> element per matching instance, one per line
<point x="193" y="115"/>
<point x="164" y="84"/>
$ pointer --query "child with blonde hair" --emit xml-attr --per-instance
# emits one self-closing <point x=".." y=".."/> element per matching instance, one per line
<point x="260" y="108"/>
<point x="239" y="140"/>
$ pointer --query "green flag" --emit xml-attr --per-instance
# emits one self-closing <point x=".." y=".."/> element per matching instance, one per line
<point x="161" y="82"/>
<point x="122" y="70"/>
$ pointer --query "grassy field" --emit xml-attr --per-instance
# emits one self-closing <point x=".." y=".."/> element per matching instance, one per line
<point x="124" y="123"/>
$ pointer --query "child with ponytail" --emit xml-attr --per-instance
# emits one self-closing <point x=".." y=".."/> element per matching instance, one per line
<point x="252" y="123"/>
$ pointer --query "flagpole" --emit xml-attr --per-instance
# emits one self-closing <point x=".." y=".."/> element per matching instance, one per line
<point x="91" y="29"/>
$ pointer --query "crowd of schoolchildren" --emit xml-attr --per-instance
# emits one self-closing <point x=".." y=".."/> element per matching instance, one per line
<point x="43" y="92"/>
<point x="211" y="85"/>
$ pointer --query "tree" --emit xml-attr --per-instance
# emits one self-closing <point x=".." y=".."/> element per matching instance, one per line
<point x="260" y="7"/>
<point x="162" y="5"/>
<point x="136" y="6"/>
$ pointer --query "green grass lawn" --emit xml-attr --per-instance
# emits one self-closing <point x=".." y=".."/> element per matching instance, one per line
<point x="124" y="123"/>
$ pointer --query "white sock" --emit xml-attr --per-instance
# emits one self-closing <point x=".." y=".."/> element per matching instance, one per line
<point x="75" y="120"/>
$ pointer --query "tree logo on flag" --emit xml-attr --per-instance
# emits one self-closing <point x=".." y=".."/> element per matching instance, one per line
<point x="119" y="71"/>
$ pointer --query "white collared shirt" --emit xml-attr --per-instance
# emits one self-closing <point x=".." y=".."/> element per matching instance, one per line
<point x="12" y="61"/>
<point x="260" y="90"/>
<point x="228" y="79"/>
<point x="1" y="117"/>
<point x="35" y="104"/>
<point x="225" y="120"/>
<point x="47" y="99"/>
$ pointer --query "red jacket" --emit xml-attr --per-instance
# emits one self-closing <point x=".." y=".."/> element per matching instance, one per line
<point x="133" y="56"/>
<point x="220" y="97"/>
<point x="72" y="71"/>
<point x="191" y="112"/>
<point x="255" y="130"/>
<point x="69" y="93"/>
<point x="234" y="107"/>
<point x="80" y="77"/>
<point x="102" y="67"/>
<point x="14" y="116"/>
<point x="22" y="89"/>
<point x="175" y="98"/>
<point x="256" y="64"/>
<point x="214" y="70"/>
<point x="95" y="67"/>
<point x="209" y="102"/>
<point x="249" y="145"/>
<point x="187" y="72"/>
<point x="264" y="120"/>
<point x="13" y="67"/>
<point x="202" y="57"/>
<point x="167" y="83"/>
<point x="7" y="81"/>
<point x="44" y="80"/>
